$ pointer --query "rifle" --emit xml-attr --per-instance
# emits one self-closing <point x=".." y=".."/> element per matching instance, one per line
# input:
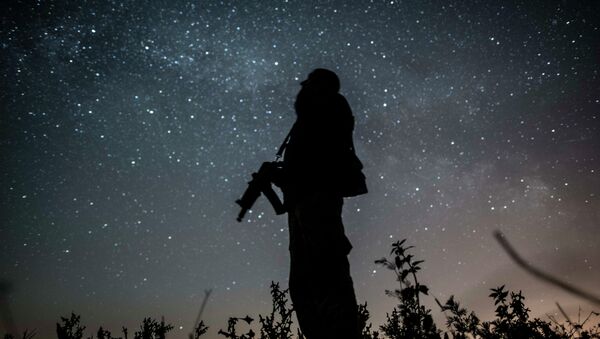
<point x="268" y="173"/>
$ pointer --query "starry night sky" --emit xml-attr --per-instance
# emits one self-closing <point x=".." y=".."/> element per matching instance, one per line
<point x="128" y="130"/>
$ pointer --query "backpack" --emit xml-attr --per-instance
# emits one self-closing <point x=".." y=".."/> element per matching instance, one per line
<point x="352" y="181"/>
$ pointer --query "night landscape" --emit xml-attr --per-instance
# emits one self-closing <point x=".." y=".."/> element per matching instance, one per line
<point x="129" y="129"/>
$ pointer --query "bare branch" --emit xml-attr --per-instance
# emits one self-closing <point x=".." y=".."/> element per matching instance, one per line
<point x="542" y="275"/>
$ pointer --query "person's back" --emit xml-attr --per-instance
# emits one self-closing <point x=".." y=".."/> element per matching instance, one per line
<point x="320" y="140"/>
<point x="316" y="157"/>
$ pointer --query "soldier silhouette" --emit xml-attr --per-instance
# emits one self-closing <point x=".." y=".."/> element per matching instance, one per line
<point x="320" y="168"/>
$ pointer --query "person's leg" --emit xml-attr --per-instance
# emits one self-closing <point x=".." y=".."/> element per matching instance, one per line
<point x="322" y="290"/>
<point x="339" y="301"/>
<point x="301" y="275"/>
<point x="324" y="300"/>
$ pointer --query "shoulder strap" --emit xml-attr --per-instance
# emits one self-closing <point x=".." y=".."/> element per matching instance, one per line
<point x="352" y="135"/>
<point x="284" y="144"/>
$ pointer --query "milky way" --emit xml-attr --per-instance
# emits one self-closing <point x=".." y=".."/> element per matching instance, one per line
<point x="129" y="129"/>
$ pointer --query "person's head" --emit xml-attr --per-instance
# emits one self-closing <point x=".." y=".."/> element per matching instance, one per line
<point x="322" y="80"/>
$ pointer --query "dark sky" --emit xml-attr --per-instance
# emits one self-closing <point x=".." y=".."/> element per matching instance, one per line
<point x="127" y="131"/>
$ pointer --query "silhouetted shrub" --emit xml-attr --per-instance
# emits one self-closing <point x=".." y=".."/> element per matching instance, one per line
<point x="199" y="330"/>
<point x="512" y="321"/>
<point x="104" y="334"/>
<point x="364" y="325"/>
<point x="569" y="328"/>
<point x="152" y="329"/>
<point x="278" y="324"/>
<point x="26" y="335"/>
<point x="70" y="328"/>
<point x="231" y="331"/>
<point x="409" y="319"/>
<point x="458" y="320"/>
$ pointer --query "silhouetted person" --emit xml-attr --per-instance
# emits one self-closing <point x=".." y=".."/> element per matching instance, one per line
<point x="320" y="168"/>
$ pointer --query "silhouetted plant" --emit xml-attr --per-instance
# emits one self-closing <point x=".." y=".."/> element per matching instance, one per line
<point x="105" y="334"/>
<point x="70" y="328"/>
<point x="570" y="328"/>
<point x="277" y="325"/>
<point x="512" y="321"/>
<point x="152" y="329"/>
<point x="409" y="319"/>
<point x="199" y="330"/>
<point x="231" y="332"/>
<point x="459" y="321"/>
<point x="26" y="335"/>
<point x="364" y="325"/>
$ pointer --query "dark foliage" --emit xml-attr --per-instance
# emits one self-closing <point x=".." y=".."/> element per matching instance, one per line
<point x="231" y="331"/>
<point x="199" y="330"/>
<point x="458" y="320"/>
<point x="409" y="319"/>
<point x="512" y="321"/>
<point x="105" y="334"/>
<point x="26" y="335"/>
<point x="152" y="329"/>
<point x="70" y="328"/>
<point x="363" y="323"/>
<point x="278" y="324"/>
